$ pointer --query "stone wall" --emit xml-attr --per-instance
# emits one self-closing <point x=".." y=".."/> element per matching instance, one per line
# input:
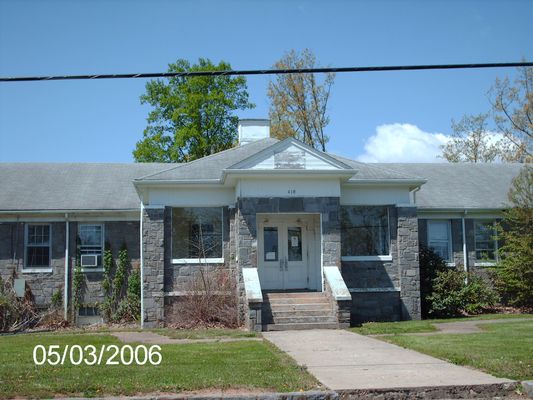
<point x="407" y="246"/>
<point x="153" y="236"/>
<point x="376" y="306"/>
<point x="118" y="234"/>
<point x="42" y="285"/>
<point x="388" y="290"/>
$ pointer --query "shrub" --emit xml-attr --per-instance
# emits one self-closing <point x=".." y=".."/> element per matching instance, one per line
<point x="211" y="299"/>
<point x="430" y="264"/>
<point x="57" y="299"/>
<point x="456" y="292"/>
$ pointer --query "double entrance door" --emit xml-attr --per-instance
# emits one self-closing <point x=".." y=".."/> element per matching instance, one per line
<point x="283" y="252"/>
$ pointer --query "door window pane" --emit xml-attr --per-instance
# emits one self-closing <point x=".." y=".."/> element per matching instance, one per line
<point x="295" y="243"/>
<point x="270" y="236"/>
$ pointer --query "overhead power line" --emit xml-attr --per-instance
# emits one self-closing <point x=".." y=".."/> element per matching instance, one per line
<point x="264" y="72"/>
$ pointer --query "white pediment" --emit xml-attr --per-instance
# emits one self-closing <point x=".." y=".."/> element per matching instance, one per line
<point x="290" y="155"/>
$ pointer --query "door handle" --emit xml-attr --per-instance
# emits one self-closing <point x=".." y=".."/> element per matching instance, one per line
<point x="286" y="264"/>
<point x="281" y="264"/>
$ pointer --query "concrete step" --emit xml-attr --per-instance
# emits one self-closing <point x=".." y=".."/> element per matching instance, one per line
<point x="299" y="307"/>
<point x="282" y="295"/>
<point x="302" y="320"/>
<point x="296" y="300"/>
<point x="298" y="313"/>
<point x="301" y="326"/>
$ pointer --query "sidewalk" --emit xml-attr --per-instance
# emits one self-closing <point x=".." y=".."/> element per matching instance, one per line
<point x="342" y="360"/>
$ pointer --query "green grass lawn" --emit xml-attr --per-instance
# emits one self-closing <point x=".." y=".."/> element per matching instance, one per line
<point x="393" y="328"/>
<point x="205" y="333"/>
<point x="504" y="350"/>
<point x="246" y="364"/>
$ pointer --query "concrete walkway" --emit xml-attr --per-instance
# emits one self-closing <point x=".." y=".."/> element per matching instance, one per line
<point x="342" y="360"/>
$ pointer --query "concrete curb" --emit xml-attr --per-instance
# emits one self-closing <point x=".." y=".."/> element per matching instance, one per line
<point x="425" y="393"/>
<point x="434" y="392"/>
<point x="309" y="395"/>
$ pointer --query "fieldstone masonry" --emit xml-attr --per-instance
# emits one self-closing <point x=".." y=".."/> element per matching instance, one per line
<point x="153" y="265"/>
<point x="408" y="262"/>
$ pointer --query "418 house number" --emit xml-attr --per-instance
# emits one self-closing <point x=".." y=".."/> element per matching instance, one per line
<point x="292" y="192"/>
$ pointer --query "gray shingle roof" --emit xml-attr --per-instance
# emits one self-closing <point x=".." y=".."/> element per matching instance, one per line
<point x="482" y="186"/>
<point x="100" y="186"/>
<point x="210" y="167"/>
<point x="368" y="172"/>
<point x="71" y="186"/>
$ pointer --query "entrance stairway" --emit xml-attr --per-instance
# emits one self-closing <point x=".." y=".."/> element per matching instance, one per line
<point x="300" y="310"/>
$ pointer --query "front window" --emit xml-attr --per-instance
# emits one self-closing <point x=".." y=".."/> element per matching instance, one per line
<point x="364" y="231"/>
<point x="38" y="243"/>
<point x="486" y="241"/>
<point x="196" y="233"/>
<point x="91" y="244"/>
<point x="440" y="239"/>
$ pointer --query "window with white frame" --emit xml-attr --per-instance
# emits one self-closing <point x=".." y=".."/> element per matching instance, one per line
<point x="486" y="241"/>
<point x="38" y="245"/>
<point x="440" y="238"/>
<point x="91" y="243"/>
<point x="364" y="231"/>
<point x="197" y="234"/>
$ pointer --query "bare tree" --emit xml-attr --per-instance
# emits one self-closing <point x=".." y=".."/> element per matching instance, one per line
<point x="472" y="142"/>
<point x="299" y="101"/>
<point x="512" y="106"/>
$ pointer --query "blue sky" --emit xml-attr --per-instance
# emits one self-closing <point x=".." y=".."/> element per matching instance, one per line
<point x="389" y="116"/>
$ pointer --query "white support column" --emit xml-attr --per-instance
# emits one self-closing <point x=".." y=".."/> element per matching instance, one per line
<point x="67" y="243"/>
<point x="141" y="263"/>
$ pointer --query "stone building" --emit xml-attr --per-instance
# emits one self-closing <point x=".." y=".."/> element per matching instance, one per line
<point x="312" y="239"/>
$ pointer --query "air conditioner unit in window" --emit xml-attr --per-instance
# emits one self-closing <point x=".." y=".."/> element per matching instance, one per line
<point x="89" y="260"/>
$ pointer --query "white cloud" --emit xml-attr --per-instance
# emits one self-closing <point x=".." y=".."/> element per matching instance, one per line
<point x="403" y="143"/>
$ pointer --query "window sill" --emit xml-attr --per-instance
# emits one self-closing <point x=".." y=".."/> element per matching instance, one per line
<point x="93" y="269"/>
<point x="485" y="264"/>
<point x="37" y="270"/>
<point x="182" y="261"/>
<point x="366" y="258"/>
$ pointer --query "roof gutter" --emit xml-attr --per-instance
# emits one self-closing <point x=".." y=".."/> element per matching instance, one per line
<point x="362" y="182"/>
<point x="67" y="211"/>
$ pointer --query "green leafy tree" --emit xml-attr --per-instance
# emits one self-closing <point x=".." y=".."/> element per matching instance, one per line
<point x="514" y="274"/>
<point x="192" y="117"/>
<point x="299" y="101"/>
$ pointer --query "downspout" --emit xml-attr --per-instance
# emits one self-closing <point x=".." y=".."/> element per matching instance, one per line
<point x="67" y="241"/>
<point x="465" y="254"/>
<point x="142" y="262"/>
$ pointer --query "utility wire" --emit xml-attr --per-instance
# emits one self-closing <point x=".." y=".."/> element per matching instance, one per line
<point x="264" y="72"/>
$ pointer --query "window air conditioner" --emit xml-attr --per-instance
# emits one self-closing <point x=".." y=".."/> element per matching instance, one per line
<point x="89" y="260"/>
